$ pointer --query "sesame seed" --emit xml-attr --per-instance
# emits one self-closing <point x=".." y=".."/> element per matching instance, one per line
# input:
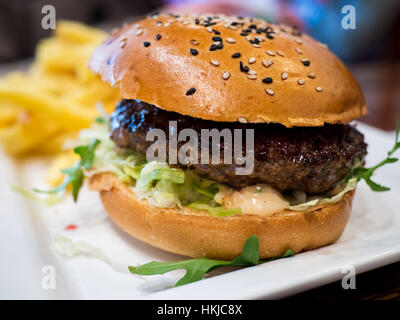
<point x="318" y="89"/>
<point x="284" y="75"/>
<point x="139" y="32"/>
<point x="226" y="75"/>
<point x="255" y="45"/>
<point x="311" y="75"/>
<point x="252" y="76"/>
<point x="185" y="22"/>
<point x="214" y="63"/>
<point x="236" y="55"/>
<point x="146" y="43"/>
<point x="323" y="45"/>
<point x="301" y="82"/>
<point x="123" y="44"/>
<point x="298" y="50"/>
<point x="267" y="80"/>
<point x="230" y="40"/>
<point x="194" y="52"/>
<point x="194" y="42"/>
<point x="213" y="47"/>
<point x="252" y="72"/>
<point x="252" y="60"/>
<point x="270" y="53"/>
<point x="270" y="92"/>
<point x="219" y="39"/>
<point x="209" y="29"/>
<point x="248" y="38"/>
<point x="280" y="53"/>
<point x="158" y="37"/>
<point x="242" y="120"/>
<point x="267" y="63"/>
<point x="298" y="41"/>
<point x="190" y="91"/>
<point x="136" y="26"/>
<point x="159" y="24"/>
<point x="167" y="24"/>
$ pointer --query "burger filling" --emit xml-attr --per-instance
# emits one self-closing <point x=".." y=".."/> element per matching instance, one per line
<point x="294" y="168"/>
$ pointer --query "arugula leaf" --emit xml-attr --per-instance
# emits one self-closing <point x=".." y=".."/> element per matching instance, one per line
<point x="366" y="173"/>
<point x="75" y="175"/>
<point x="197" y="268"/>
<point x="87" y="153"/>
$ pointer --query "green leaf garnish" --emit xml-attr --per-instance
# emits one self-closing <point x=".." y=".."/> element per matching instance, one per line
<point x="366" y="173"/>
<point x="197" y="268"/>
<point x="87" y="153"/>
<point x="75" y="175"/>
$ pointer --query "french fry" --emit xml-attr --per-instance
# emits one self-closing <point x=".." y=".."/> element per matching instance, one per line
<point x="57" y="97"/>
<point x="24" y="136"/>
<point x="67" y="116"/>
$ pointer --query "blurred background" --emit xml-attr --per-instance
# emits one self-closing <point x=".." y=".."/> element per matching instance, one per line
<point x="372" y="50"/>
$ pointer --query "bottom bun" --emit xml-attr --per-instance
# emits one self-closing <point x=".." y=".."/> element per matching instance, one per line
<point x="194" y="233"/>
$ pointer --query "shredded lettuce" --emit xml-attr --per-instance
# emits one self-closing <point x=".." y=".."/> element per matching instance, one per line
<point x="219" y="211"/>
<point x="351" y="184"/>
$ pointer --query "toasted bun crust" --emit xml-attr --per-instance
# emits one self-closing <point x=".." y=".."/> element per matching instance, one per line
<point x="194" y="233"/>
<point x="163" y="72"/>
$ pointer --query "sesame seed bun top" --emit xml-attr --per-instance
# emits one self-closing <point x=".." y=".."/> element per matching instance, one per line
<point x="229" y="69"/>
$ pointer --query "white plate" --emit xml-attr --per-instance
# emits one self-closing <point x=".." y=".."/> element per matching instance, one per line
<point x="27" y="230"/>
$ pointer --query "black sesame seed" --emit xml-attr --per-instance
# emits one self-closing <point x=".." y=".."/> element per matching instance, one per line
<point x="216" y="32"/>
<point x="158" y="37"/>
<point x="220" y="46"/>
<point x="246" y="69"/>
<point x="213" y="47"/>
<point x="190" y="91"/>
<point x="146" y="43"/>
<point x="267" y="80"/>
<point x="194" y="52"/>
<point x="234" y="23"/>
<point x="246" y="30"/>
<point x="259" y="31"/>
<point x="217" y="39"/>
<point x="236" y="55"/>
<point x="197" y="21"/>
<point x="270" y="36"/>
<point x="240" y="17"/>
<point x="244" y="34"/>
<point x="252" y="26"/>
<point x="306" y="63"/>
<point x="209" y="24"/>
<point x="241" y="66"/>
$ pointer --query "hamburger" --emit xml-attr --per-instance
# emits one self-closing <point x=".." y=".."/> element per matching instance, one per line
<point x="205" y="72"/>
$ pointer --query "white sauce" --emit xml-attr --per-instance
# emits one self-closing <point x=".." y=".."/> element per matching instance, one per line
<point x="259" y="199"/>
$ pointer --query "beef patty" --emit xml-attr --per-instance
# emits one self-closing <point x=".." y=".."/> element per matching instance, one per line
<point x="312" y="159"/>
